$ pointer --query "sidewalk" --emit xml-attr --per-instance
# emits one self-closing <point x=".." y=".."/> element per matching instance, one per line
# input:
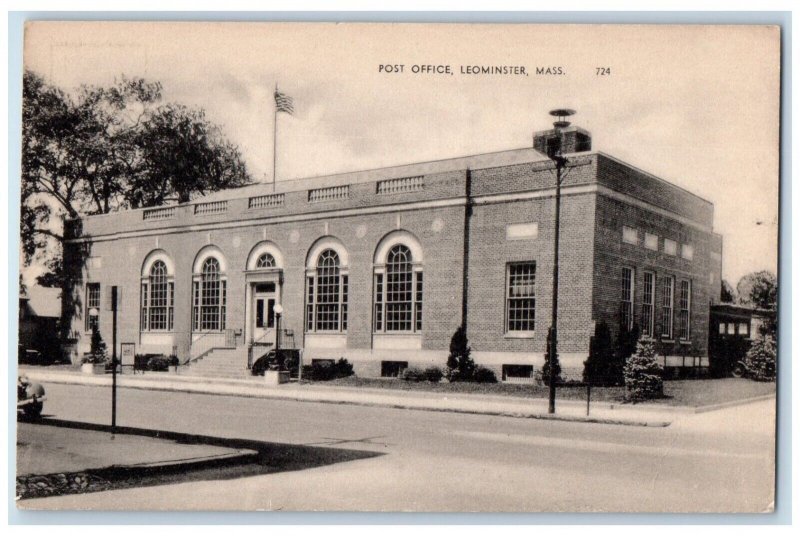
<point x="44" y="449"/>
<point x="572" y="410"/>
<point x="56" y="460"/>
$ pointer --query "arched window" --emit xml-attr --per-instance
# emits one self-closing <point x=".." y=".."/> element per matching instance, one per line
<point x="210" y="296"/>
<point x="398" y="293"/>
<point x="266" y="260"/>
<point x="158" y="299"/>
<point x="326" y="299"/>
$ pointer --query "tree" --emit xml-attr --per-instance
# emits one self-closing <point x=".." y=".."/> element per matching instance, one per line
<point x="643" y="374"/>
<point x="761" y="357"/>
<point x="460" y="366"/>
<point x="601" y="356"/>
<point x="546" y="366"/>
<point x="183" y="155"/>
<point x="97" y="346"/>
<point x="727" y="293"/>
<point x="49" y="182"/>
<point x="625" y="347"/>
<point x="758" y="289"/>
<point x="103" y="149"/>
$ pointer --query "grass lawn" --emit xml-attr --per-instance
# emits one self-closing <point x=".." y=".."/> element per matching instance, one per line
<point x="678" y="392"/>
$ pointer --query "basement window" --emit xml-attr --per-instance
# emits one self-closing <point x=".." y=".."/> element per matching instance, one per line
<point x="393" y="369"/>
<point x="518" y="373"/>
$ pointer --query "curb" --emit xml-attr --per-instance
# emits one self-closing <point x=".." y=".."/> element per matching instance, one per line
<point x="199" y="388"/>
<point x="732" y="403"/>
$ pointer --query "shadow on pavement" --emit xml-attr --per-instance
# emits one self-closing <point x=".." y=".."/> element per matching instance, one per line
<point x="263" y="458"/>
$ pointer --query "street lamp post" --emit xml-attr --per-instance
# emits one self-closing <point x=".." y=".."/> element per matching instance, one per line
<point x="555" y="153"/>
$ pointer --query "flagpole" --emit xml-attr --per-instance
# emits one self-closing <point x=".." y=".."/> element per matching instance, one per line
<point x="275" y="140"/>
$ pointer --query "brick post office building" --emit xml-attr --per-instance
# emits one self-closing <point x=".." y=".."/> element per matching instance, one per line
<point x="382" y="266"/>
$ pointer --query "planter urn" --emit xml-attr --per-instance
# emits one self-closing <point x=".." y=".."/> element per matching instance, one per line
<point x="93" y="368"/>
<point x="276" y="377"/>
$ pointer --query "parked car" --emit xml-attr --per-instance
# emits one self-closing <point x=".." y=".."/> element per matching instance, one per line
<point x="30" y="397"/>
<point x="28" y="356"/>
<point x="288" y="359"/>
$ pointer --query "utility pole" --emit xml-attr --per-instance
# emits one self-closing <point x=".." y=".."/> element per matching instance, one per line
<point x="114" y="300"/>
<point x="556" y="154"/>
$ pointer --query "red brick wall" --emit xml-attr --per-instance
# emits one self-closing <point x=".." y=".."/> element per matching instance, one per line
<point x="442" y="246"/>
<point x="611" y="254"/>
<point x="646" y="187"/>
<point x="591" y="256"/>
<point x="716" y="268"/>
<point x="490" y="252"/>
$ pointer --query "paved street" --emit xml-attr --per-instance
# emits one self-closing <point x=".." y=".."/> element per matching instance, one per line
<point x="719" y="461"/>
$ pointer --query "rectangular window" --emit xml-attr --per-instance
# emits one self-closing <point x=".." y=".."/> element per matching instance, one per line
<point x="196" y="305"/>
<point x="651" y="241"/>
<point x="685" y="301"/>
<point x="378" y="302"/>
<point x="393" y="369"/>
<point x="648" y="304"/>
<point x="159" y="300"/>
<point x="630" y="235"/>
<point x="157" y="307"/>
<point x="687" y="251"/>
<point x="344" y="302"/>
<point x="626" y="316"/>
<point x="92" y="302"/>
<point x="171" y="310"/>
<point x="521" y="296"/>
<point x="222" y="308"/>
<point x="399" y="302"/>
<point x="418" y="302"/>
<point x="518" y="373"/>
<point x="744" y="329"/>
<point x="397" y="299"/>
<point x="328" y="300"/>
<point x="310" y="304"/>
<point x="670" y="247"/>
<point x="668" y="288"/>
<point x="722" y="328"/>
<point x="143" y="317"/>
<point x="212" y="304"/>
<point x="731" y="328"/>
<point x="209" y="304"/>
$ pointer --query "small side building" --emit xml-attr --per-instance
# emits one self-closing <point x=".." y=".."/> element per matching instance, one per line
<point x="39" y="315"/>
<point x="733" y="328"/>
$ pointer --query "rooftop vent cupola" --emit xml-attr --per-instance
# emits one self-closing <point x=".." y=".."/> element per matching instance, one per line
<point x="563" y="137"/>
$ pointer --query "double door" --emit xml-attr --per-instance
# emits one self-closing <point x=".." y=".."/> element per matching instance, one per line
<point x="265" y="297"/>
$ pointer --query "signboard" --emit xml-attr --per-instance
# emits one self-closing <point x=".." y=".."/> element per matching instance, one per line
<point x="127" y="352"/>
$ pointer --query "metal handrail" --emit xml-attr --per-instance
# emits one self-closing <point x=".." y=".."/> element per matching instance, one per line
<point x="210" y="341"/>
<point x="266" y="334"/>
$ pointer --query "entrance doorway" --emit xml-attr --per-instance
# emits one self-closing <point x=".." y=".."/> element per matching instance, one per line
<point x="265" y="296"/>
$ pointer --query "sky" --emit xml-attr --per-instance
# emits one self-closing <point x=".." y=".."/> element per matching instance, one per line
<point x="695" y="105"/>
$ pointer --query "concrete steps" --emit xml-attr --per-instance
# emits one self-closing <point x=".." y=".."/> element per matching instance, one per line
<point x="222" y="363"/>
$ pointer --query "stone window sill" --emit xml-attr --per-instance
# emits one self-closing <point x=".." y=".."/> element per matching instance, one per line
<point x="519" y="335"/>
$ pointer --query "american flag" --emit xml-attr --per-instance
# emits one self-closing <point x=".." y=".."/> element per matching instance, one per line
<point x="283" y="103"/>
